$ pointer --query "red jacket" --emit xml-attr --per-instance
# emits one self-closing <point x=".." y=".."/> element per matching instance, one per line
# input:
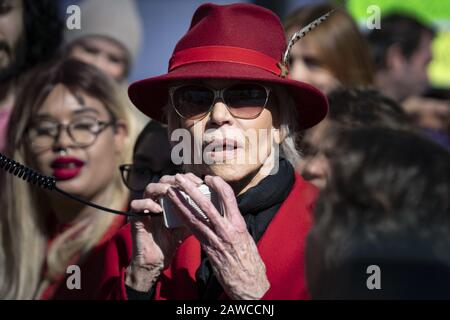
<point x="90" y="268"/>
<point x="281" y="247"/>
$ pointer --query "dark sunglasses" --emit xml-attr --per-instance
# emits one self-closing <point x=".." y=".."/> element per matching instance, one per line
<point x="244" y="101"/>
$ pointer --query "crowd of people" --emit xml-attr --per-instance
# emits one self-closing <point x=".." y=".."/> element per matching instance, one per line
<point x="352" y="165"/>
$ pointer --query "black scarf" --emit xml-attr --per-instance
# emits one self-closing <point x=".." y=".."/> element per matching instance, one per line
<point x="258" y="205"/>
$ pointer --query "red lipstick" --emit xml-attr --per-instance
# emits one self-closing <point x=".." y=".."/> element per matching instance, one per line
<point x="66" y="168"/>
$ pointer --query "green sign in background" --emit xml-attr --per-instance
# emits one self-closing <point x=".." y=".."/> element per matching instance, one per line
<point x="434" y="12"/>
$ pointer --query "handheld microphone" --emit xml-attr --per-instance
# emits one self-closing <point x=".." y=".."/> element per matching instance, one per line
<point x="49" y="183"/>
<point x="171" y="220"/>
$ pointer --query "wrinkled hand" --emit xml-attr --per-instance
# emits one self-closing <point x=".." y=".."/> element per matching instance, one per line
<point x="153" y="244"/>
<point x="230" y="248"/>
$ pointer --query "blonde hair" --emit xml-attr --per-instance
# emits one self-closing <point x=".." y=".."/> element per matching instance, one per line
<point x="24" y="231"/>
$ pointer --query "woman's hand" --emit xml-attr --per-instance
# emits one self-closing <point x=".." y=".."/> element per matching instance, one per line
<point x="153" y="244"/>
<point x="230" y="248"/>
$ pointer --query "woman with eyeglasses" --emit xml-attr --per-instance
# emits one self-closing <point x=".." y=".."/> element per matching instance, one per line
<point x="67" y="123"/>
<point x="151" y="160"/>
<point x="232" y="112"/>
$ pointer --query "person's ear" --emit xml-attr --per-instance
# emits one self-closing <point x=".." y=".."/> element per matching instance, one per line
<point x="120" y="135"/>
<point x="395" y="60"/>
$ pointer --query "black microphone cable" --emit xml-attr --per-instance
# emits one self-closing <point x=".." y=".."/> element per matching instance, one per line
<point x="49" y="183"/>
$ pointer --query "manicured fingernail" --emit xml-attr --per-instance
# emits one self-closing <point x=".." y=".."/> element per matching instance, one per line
<point x="146" y="211"/>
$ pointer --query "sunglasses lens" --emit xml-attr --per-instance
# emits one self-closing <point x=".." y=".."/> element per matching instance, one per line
<point x="192" y="102"/>
<point x="246" y="100"/>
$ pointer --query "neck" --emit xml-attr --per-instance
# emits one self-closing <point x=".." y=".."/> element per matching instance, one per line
<point x="253" y="179"/>
<point x="387" y="86"/>
<point x="68" y="211"/>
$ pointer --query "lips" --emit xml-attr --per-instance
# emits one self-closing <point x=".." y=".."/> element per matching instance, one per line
<point x="222" y="148"/>
<point x="66" y="168"/>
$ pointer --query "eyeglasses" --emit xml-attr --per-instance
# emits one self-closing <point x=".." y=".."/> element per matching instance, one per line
<point x="244" y="101"/>
<point x="137" y="178"/>
<point x="83" y="132"/>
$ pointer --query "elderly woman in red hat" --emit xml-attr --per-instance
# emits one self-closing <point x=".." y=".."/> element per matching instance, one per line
<point x="227" y="80"/>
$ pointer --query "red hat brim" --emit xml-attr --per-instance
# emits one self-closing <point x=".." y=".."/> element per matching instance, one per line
<point x="151" y="95"/>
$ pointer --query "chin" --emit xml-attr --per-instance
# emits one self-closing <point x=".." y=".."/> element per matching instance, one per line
<point x="232" y="172"/>
<point x="75" y="186"/>
<point x="319" y="183"/>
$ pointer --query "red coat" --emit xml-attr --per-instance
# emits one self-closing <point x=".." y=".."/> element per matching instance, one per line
<point x="281" y="247"/>
<point x="90" y="268"/>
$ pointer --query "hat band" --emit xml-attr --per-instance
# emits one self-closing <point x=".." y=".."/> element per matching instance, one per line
<point x="225" y="54"/>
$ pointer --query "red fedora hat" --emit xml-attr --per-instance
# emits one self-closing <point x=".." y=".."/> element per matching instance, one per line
<point x="238" y="41"/>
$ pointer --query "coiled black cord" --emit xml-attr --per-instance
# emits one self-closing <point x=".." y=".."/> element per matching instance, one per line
<point x="26" y="174"/>
<point x="49" y="183"/>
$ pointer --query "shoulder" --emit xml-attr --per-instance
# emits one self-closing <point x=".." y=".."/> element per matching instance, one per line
<point x="286" y="237"/>
<point x="303" y="194"/>
<point x="117" y="256"/>
<point x="119" y="247"/>
<point x="117" y="223"/>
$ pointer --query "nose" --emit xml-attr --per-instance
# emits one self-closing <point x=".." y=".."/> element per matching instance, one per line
<point x="62" y="140"/>
<point x="300" y="72"/>
<point x="102" y="63"/>
<point x="314" y="170"/>
<point x="220" y="114"/>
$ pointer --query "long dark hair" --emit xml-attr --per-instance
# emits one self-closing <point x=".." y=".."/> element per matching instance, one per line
<point x="44" y="31"/>
<point x="388" y="197"/>
<point x="362" y="107"/>
<point x="40" y="40"/>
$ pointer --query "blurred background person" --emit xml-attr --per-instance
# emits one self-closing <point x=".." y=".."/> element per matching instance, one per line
<point x="151" y="160"/>
<point x="331" y="57"/>
<point x="401" y="50"/>
<point x="30" y="33"/>
<point x="350" y="108"/>
<point x="109" y="39"/>
<point x="386" y="204"/>
<point x="71" y="124"/>
<point x="334" y="55"/>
